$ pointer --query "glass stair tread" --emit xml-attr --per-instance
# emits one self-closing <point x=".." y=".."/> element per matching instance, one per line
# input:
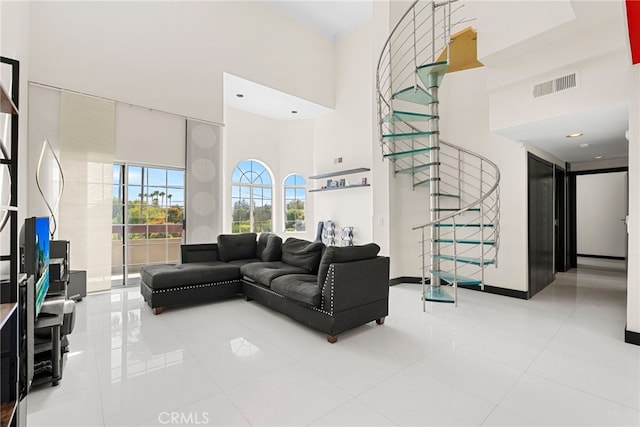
<point x="418" y="168"/>
<point x="426" y="181"/>
<point x="437" y="294"/>
<point x="407" y="135"/>
<point x="406" y="116"/>
<point x="464" y="260"/>
<point x="467" y="241"/>
<point x="461" y="280"/>
<point x="409" y="153"/>
<point x="415" y="94"/>
<point x="454" y="210"/>
<point x="463" y="225"/>
<point x="445" y="195"/>
<point x="432" y="74"/>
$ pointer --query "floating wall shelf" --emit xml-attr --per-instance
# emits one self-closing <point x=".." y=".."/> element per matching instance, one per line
<point x="344" y="187"/>
<point x="338" y="173"/>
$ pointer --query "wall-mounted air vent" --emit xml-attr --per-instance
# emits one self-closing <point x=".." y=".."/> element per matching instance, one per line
<point x="558" y="84"/>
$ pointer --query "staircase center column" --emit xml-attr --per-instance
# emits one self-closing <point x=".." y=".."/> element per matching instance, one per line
<point x="434" y="184"/>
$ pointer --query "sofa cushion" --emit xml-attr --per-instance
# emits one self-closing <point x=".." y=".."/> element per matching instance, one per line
<point x="344" y="254"/>
<point x="302" y="253"/>
<point x="236" y="246"/>
<point x="302" y="288"/>
<point x="193" y="273"/>
<point x="265" y="272"/>
<point x="241" y="262"/>
<point x="269" y="247"/>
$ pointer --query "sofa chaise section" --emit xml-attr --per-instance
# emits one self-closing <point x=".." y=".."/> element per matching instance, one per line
<point x="200" y="277"/>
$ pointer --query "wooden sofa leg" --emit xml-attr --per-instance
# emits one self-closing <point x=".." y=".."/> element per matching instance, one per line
<point x="246" y="298"/>
<point x="157" y="310"/>
<point x="380" y="321"/>
<point x="332" y="338"/>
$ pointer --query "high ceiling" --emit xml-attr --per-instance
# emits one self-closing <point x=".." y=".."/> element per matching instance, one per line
<point x="332" y="19"/>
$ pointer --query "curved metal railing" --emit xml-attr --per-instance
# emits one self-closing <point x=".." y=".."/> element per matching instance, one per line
<point x="467" y="205"/>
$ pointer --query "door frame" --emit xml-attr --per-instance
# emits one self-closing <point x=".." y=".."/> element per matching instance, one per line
<point x="573" y="212"/>
<point x="561" y="249"/>
<point x="536" y="236"/>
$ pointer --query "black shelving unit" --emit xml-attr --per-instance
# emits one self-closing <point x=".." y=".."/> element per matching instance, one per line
<point x="9" y="302"/>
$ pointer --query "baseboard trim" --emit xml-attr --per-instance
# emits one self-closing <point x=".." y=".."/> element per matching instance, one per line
<point x="406" y="279"/>
<point x="506" y="292"/>
<point x="619" y="258"/>
<point x="631" y="337"/>
<point x="487" y="288"/>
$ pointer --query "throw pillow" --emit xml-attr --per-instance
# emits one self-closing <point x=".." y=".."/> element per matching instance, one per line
<point x="269" y="247"/>
<point x="236" y="246"/>
<point x="302" y="253"/>
<point x="344" y="254"/>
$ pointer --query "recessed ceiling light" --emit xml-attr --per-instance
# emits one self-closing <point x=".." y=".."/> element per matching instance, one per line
<point x="598" y="157"/>
<point x="584" y="145"/>
<point x="574" y="135"/>
<point x="239" y="95"/>
<point x="294" y="112"/>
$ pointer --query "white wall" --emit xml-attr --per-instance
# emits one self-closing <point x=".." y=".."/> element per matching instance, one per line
<point x="506" y="23"/>
<point x="170" y="56"/>
<point x="601" y="203"/>
<point x="14" y="43"/>
<point x="384" y="18"/>
<point x="282" y="146"/>
<point x="348" y="133"/>
<point x="295" y="138"/>
<point x="633" y="273"/>
<point x="558" y="40"/>
<point x="602" y="81"/>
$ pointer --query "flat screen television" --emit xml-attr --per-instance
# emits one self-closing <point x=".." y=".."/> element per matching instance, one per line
<point x="35" y="244"/>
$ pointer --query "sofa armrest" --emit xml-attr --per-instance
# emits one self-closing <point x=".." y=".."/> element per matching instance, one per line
<point x="199" y="253"/>
<point x="355" y="283"/>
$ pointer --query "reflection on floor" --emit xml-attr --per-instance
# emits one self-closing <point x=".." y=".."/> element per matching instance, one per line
<point x="557" y="359"/>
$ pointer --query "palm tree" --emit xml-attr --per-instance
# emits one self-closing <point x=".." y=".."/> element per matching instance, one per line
<point x="169" y="196"/>
<point x="161" y="194"/>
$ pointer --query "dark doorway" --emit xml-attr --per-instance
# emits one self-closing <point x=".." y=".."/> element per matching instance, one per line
<point x="561" y="254"/>
<point x="540" y="229"/>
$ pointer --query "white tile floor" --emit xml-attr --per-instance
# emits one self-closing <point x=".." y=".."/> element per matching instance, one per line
<point x="557" y="359"/>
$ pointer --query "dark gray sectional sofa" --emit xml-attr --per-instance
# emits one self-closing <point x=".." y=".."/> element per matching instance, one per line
<point x="331" y="289"/>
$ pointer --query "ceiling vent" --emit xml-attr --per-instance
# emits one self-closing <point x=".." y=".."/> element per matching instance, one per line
<point x="556" y="85"/>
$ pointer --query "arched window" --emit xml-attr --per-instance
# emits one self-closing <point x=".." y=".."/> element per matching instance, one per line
<point x="295" y="197"/>
<point x="251" y="197"/>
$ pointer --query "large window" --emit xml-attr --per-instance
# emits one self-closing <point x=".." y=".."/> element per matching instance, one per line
<point x="295" y="193"/>
<point x="251" y="197"/>
<point x="148" y="209"/>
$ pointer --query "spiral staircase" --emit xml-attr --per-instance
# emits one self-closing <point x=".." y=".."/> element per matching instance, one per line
<point x="461" y="237"/>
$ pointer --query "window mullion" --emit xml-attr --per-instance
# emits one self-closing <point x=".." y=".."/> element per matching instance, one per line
<point x="251" y="219"/>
